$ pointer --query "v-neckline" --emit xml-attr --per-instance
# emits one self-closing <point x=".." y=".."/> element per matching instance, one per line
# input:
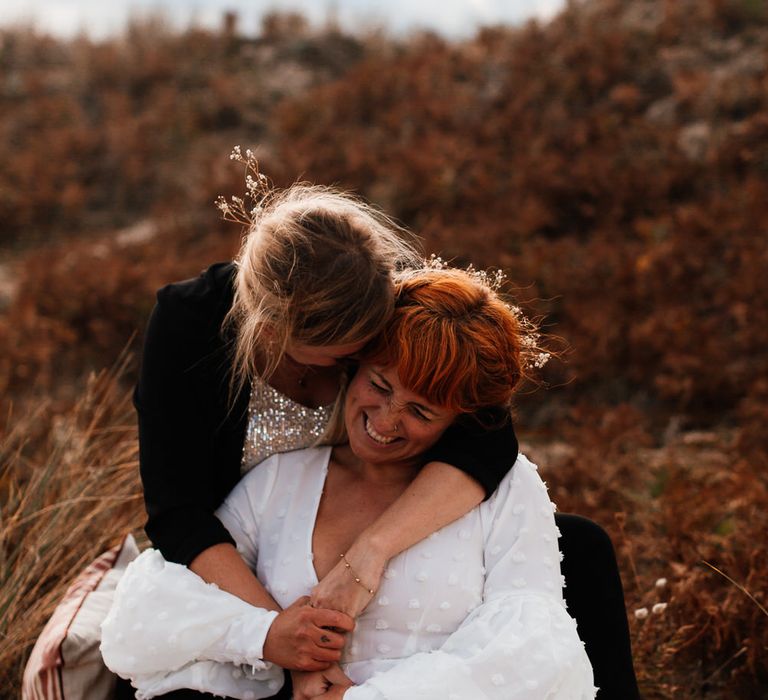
<point x="309" y="545"/>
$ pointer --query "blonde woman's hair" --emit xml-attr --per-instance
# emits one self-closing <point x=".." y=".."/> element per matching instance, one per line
<point x="316" y="267"/>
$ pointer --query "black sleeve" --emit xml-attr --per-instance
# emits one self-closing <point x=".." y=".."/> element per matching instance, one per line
<point x="176" y="403"/>
<point x="483" y="446"/>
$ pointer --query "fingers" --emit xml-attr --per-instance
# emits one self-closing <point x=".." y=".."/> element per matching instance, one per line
<point x="317" y="659"/>
<point x="307" y="663"/>
<point x="329" y="639"/>
<point x="333" y="618"/>
<point x="306" y="638"/>
<point x="310" y="645"/>
<point x="306" y="689"/>
<point x="326" y="656"/>
<point x="335" y="675"/>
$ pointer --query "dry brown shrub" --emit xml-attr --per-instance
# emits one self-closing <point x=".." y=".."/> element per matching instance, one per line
<point x="98" y="134"/>
<point x="670" y="509"/>
<point x="566" y="155"/>
<point x="78" y="303"/>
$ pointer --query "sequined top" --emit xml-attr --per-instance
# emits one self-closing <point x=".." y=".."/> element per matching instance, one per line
<point x="277" y="423"/>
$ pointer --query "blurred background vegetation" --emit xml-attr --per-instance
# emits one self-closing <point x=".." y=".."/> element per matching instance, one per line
<point x="613" y="161"/>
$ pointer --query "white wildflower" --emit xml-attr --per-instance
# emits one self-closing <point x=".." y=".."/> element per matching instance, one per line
<point x="540" y="359"/>
<point x="641" y="613"/>
<point x="246" y="211"/>
<point x="435" y="262"/>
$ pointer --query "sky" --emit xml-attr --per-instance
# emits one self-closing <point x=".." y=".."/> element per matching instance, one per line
<point x="455" y="18"/>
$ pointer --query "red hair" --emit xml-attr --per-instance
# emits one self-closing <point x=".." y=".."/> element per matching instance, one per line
<point x="453" y="340"/>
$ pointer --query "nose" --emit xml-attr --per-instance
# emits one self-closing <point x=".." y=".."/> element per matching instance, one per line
<point x="383" y="413"/>
<point x="390" y="417"/>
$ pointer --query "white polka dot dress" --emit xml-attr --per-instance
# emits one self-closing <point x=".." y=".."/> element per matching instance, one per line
<point x="473" y="612"/>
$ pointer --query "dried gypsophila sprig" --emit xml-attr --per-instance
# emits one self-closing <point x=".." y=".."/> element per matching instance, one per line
<point x="258" y="189"/>
<point x="533" y="355"/>
<point x="494" y="280"/>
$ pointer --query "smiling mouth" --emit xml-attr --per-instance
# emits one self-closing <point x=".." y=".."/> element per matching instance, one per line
<point x="376" y="437"/>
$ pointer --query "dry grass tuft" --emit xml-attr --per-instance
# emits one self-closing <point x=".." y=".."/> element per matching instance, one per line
<point x="69" y="495"/>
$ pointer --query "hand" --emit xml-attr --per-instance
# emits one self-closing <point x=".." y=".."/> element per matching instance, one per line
<point x="305" y="638"/>
<point x="308" y="685"/>
<point x="335" y="692"/>
<point x="339" y="591"/>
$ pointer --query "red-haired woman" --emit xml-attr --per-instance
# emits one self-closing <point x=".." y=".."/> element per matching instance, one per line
<point x="474" y="611"/>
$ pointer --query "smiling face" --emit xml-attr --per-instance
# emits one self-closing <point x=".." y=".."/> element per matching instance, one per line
<point x="387" y="423"/>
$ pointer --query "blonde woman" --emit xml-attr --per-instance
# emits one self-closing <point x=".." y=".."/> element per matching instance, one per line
<point x="248" y="360"/>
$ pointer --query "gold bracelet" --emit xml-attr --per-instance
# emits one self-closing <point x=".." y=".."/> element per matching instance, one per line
<point x="352" y="571"/>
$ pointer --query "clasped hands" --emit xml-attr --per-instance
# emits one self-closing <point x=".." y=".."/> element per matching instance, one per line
<point x="308" y="642"/>
<point x="308" y="636"/>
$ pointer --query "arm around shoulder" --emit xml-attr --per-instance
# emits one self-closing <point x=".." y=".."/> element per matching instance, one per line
<point x="483" y="446"/>
<point x="520" y="643"/>
<point x="467" y="463"/>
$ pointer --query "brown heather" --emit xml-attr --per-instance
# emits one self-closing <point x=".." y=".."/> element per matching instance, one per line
<point x="614" y="162"/>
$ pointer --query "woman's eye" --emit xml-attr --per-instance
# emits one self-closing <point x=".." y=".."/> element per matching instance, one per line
<point x="379" y="388"/>
<point x="416" y="412"/>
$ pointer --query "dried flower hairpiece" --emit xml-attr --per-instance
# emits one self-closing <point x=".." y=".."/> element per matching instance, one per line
<point x="258" y="189"/>
<point x="533" y="355"/>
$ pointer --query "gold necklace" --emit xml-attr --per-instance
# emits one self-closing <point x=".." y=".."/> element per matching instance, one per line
<point x="302" y="380"/>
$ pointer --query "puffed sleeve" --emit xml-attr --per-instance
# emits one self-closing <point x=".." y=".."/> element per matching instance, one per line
<point x="520" y="643"/>
<point x="168" y="629"/>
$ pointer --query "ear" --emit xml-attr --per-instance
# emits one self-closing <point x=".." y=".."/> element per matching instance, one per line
<point x="273" y="335"/>
<point x="268" y="331"/>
